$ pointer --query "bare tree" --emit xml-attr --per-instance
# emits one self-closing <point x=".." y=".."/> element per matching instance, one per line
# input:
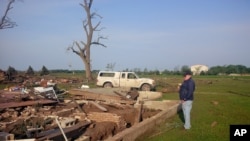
<point x="82" y="48"/>
<point x="6" y="22"/>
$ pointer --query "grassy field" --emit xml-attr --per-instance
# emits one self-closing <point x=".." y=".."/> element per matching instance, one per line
<point x="219" y="102"/>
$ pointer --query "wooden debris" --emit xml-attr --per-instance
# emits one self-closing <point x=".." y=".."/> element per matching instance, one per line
<point x="26" y="103"/>
<point x="70" y="132"/>
<point x="98" y="106"/>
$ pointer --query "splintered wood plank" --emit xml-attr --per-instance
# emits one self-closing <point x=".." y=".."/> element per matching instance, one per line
<point x="26" y="103"/>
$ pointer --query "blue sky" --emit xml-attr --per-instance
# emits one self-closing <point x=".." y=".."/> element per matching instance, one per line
<point x="162" y="34"/>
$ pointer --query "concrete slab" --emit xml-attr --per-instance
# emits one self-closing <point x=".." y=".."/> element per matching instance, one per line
<point x="157" y="105"/>
<point x="148" y="95"/>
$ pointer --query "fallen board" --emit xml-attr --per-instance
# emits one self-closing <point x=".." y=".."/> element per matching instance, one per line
<point x="26" y="103"/>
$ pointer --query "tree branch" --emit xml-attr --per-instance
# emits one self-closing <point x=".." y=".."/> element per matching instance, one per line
<point x="97" y="43"/>
<point x="72" y="49"/>
<point x="5" y="20"/>
<point x="90" y="3"/>
<point x="95" y="28"/>
<point x="85" y="27"/>
<point x="82" y="53"/>
<point x="84" y="44"/>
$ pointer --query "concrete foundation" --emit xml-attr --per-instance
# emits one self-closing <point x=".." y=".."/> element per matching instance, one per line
<point x="168" y="107"/>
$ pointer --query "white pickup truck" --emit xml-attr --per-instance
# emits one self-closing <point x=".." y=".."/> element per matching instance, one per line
<point x="109" y="79"/>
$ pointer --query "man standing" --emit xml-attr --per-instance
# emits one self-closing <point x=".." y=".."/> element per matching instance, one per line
<point x="187" y="96"/>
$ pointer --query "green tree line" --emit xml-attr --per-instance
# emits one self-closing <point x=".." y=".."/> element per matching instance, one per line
<point x="215" y="70"/>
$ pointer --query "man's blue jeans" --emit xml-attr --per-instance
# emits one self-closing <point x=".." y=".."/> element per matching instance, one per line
<point x="186" y="108"/>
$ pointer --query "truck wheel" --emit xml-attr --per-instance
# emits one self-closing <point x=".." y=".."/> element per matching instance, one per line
<point x="107" y="85"/>
<point x="145" y="87"/>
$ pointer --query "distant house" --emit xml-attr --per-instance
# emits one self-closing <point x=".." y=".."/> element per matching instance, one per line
<point x="197" y="69"/>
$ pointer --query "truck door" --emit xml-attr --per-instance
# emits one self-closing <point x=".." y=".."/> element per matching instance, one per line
<point x="132" y="80"/>
<point x="123" y="79"/>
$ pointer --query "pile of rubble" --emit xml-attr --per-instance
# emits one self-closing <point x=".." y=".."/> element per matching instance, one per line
<point x="79" y="114"/>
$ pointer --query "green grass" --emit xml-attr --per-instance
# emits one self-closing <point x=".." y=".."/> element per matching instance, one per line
<point x="217" y="105"/>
